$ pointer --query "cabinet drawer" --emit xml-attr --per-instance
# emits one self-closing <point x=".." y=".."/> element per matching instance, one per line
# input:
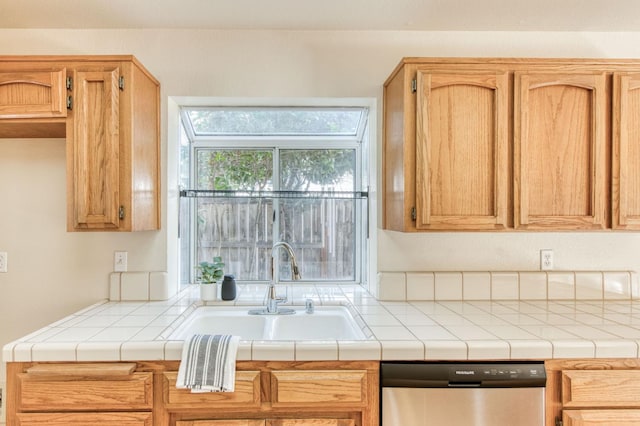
<point x="600" y="417"/>
<point x="246" y="394"/>
<point x="311" y="422"/>
<point x="84" y="419"/>
<point x="295" y="388"/>
<point x="600" y="388"/>
<point x="220" y="423"/>
<point x="33" y="94"/>
<point x="84" y="387"/>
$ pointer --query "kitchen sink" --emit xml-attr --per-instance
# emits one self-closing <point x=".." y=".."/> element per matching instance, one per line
<point x="325" y="323"/>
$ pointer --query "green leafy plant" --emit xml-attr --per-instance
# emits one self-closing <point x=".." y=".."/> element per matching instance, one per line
<point x="211" y="272"/>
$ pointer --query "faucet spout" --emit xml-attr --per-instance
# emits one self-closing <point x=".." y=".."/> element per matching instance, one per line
<point x="272" y="301"/>
<point x="295" y="271"/>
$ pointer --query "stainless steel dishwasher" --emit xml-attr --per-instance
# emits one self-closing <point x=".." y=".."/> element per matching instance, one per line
<point x="462" y="394"/>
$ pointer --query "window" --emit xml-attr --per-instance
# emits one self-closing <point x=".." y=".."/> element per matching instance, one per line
<point x="252" y="176"/>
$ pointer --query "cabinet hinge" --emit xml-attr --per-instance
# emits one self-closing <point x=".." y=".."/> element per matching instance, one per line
<point x="414" y="85"/>
<point x="121" y="82"/>
<point x="69" y="102"/>
<point x="558" y="421"/>
<point x="121" y="213"/>
<point x="69" y="83"/>
<point x="414" y="214"/>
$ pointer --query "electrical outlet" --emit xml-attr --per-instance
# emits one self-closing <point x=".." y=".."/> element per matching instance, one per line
<point x="546" y="259"/>
<point x="120" y="261"/>
<point x="3" y="261"/>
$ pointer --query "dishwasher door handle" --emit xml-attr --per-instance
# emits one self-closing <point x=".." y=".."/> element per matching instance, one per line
<point x="465" y="384"/>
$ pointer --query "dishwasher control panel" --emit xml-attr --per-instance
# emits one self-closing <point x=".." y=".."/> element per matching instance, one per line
<point x="467" y="374"/>
<point x="464" y="372"/>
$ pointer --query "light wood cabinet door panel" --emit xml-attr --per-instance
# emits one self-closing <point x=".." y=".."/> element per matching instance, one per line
<point x="600" y="388"/>
<point x="601" y="417"/>
<point x="626" y="152"/>
<point x="84" y="419"/>
<point x="462" y="150"/>
<point x="246" y="393"/>
<point x="80" y="393"/>
<point x="95" y="146"/>
<point x="559" y="150"/>
<point x="222" y="422"/>
<point x="311" y="422"/>
<point x="33" y="93"/>
<point x="324" y="387"/>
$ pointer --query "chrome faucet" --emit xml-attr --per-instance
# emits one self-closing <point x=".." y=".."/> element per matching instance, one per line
<point x="271" y="307"/>
<point x="295" y="272"/>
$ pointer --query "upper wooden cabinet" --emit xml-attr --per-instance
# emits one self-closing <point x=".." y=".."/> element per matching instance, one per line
<point x="626" y="151"/>
<point x="108" y="108"/>
<point x="512" y="144"/>
<point x="559" y="150"/>
<point x="461" y="150"/>
<point x="27" y="91"/>
<point x="33" y="98"/>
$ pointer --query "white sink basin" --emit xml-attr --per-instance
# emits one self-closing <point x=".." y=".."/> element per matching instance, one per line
<point x="326" y="323"/>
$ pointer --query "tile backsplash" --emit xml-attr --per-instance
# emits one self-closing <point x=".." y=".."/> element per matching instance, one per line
<point x="523" y="285"/>
<point x="139" y="286"/>
<point x="440" y="285"/>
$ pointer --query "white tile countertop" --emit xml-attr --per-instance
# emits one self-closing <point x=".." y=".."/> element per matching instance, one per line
<point x="418" y="330"/>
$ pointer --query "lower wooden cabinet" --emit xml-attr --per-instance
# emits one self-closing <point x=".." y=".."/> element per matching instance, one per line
<point x="84" y="419"/>
<point x="245" y="395"/>
<point x="311" y="422"/>
<point x="84" y="387"/>
<point x="593" y="392"/>
<point x="600" y="417"/>
<point x="144" y="393"/>
<point x="272" y="422"/>
<point x="221" y="423"/>
<point x="292" y="388"/>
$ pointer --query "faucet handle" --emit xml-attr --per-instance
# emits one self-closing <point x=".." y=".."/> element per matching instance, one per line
<point x="271" y="295"/>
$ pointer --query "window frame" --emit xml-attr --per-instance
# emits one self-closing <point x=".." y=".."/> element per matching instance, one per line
<point x="360" y="143"/>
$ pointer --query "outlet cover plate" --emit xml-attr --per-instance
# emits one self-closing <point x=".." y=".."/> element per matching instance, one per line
<point x="3" y="261"/>
<point x="120" y="261"/>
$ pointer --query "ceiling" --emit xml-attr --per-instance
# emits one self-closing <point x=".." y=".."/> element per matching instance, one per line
<point x="422" y="15"/>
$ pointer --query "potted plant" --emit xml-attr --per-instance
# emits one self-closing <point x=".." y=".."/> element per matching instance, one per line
<point x="210" y="274"/>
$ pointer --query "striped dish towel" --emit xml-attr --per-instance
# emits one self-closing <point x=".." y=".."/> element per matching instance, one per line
<point x="208" y="363"/>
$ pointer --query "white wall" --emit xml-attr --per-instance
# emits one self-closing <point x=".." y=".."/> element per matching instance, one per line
<point x="53" y="273"/>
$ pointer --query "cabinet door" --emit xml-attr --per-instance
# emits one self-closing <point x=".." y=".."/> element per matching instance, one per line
<point x="600" y="417"/>
<point x="559" y="151"/>
<point x="94" y="149"/>
<point x="461" y="150"/>
<point x="626" y="152"/>
<point x="33" y="93"/>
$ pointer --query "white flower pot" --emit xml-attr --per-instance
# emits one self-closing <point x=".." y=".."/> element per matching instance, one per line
<point x="209" y="292"/>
